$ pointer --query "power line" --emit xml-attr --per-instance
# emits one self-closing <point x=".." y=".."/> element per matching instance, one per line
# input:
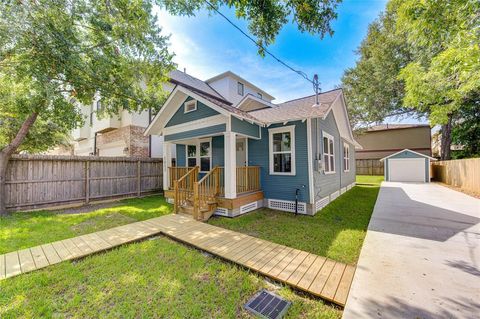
<point x="301" y="73"/>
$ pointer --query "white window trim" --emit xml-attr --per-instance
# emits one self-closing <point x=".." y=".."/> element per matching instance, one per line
<point x="187" y="104"/>
<point x="243" y="88"/>
<point x="290" y="129"/>
<point x="329" y="137"/>
<point x="209" y="141"/>
<point x="346" y="159"/>
<point x="197" y="153"/>
<point x="186" y="154"/>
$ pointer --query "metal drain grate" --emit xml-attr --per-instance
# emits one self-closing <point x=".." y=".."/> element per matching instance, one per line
<point x="267" y="305"/>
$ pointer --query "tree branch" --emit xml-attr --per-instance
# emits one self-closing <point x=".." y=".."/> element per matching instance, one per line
<point x="24" y="129"/>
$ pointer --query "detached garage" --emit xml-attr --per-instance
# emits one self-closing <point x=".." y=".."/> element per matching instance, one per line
<point x="407" y="166"/>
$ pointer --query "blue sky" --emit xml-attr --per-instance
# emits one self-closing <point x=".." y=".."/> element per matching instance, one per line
<point x="207" y="45"/>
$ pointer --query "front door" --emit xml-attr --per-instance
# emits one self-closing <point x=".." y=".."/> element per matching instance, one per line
<point x="242" y="152"/>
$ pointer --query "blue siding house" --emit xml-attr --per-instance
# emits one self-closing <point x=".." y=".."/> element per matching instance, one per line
<point x="235" y="157"/>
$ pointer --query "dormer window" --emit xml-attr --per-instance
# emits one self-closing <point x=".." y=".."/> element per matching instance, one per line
<point x="259" y="95"/>
<point x="190" y="106"/>
<point x="240" y="88"/>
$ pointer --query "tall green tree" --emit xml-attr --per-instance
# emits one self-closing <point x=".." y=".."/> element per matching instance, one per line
<point x="55" y="53"/>
<point x="419" y="58"/>
<point x="445" y="74"/>
<point x="466" y="131"/>
<point x="372" y="87"/>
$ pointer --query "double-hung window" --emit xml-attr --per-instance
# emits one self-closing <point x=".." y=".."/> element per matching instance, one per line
<point x="240" y="88"/>
<point x="328" y="154"/>
<point x="191" y="155"/>
<point x="205" y="156"/>
<point x="346" y="157"/>
<point x="282" y="150"/>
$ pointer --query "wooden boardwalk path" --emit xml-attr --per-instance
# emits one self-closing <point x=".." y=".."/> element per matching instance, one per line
<point x="314" y="274"/>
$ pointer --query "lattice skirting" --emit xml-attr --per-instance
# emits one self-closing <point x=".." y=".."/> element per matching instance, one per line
<point x="221" y="211"/>
<point x="287" y="206"/>
<point x="322" y="202"/>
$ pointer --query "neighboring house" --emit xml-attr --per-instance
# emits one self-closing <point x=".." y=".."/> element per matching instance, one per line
<point x="237" y="151"/>
<point x="383" y="140"/>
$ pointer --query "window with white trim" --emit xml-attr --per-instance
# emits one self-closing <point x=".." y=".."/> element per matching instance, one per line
<point x="191" y="155"/>
<point x="282" y="150"/>
<point x="328" y="154"/>
<point x="240" y="88"/>
<point x="346" y="157"/>
<point x="205" y="156"/>
<point x="190" y="106"/>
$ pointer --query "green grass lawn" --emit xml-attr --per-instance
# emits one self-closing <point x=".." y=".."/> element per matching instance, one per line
<point x="337" y="231"/>
<point x="369" y="179"/>
<point x="150" y="279"/>
<point x="27" y="229"/>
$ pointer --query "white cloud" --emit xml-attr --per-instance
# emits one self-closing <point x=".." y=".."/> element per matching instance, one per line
<point x="204" y="59"/>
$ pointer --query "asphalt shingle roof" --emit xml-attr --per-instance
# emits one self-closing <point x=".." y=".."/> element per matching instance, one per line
<point x="191" y="82"/>
<point x="298" y="109"/>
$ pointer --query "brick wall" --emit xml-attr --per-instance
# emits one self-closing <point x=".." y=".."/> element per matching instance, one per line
<point x="129" y="138"/>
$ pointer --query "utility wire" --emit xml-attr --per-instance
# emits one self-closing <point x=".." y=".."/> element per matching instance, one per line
<point x="301" y="73"/>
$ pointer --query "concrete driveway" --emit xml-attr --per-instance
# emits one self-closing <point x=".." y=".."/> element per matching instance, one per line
<point x="421" y="256"/>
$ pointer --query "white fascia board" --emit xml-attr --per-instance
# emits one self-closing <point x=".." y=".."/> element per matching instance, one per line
<point x="197" y="124"/>
<point x="344" y="130"/>
<point x="249" y="96"/>
<point x="148" y="130"/>
<point x="409" y="150"/>
<point x="310" y="161"/>
<point x="204" y="101"/>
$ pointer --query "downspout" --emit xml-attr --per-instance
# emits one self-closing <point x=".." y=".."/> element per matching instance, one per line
<point x="340" y="148"/>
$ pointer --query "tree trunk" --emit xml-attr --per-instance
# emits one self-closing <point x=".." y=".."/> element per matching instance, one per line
<point x="7" y="152"/>
<point x="445" y="153"/>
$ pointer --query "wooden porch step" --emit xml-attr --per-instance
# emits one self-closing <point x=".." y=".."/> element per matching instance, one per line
<point x="204" y="212"/>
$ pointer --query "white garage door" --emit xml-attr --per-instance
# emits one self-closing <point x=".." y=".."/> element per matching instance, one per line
<point x="406" y="170"/>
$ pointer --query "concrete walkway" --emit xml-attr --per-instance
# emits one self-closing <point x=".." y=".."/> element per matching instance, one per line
<point x="421" y="256"/>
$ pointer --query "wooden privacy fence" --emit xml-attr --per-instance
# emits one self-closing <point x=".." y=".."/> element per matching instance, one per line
<point x="464" y="173"/>
<point x="45" y="181"/>
<point x="369" y="167"/>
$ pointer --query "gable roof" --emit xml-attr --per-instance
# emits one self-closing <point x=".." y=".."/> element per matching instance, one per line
<point x="188" y="81"/>
<point x="251" y="101"/>
<point x="238" y="77"/>
<point x="178" y="95"/>
<point x="408" y="150"/>
<point x="298" y="109"/>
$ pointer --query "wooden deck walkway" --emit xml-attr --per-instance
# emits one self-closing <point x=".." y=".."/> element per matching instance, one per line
<point x="314" y="274"/>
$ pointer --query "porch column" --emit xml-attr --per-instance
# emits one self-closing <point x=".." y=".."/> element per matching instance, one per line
<point x="230" y="165"/>
<point x="167" y="162"/>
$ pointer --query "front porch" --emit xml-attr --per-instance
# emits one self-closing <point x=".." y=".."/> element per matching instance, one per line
<point x="212" y="176"/>
<point x="202" y="196"/>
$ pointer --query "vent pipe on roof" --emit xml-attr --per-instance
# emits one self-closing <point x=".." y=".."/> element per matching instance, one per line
<point x="185" y="70"/>
<point x="316" y="88"/>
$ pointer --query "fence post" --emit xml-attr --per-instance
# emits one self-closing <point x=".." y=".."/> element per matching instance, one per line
<point x="139" y="178"/>
<point x="87" y="182"/>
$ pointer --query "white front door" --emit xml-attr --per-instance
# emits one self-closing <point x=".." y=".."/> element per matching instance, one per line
<point x="406" y="170"/>
<point x="241" y="152"/>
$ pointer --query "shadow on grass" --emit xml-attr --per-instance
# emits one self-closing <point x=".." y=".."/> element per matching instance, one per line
<point x="27" y="229"/>
<point x="337" y="231"/>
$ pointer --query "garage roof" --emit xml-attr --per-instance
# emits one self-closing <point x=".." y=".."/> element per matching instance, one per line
<point x="420" y="154"/>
